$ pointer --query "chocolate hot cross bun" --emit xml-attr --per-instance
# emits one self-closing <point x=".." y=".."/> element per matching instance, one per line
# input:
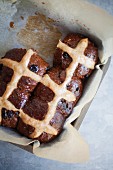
<point x="63" y="59"/>
<point x="36" y="100"/>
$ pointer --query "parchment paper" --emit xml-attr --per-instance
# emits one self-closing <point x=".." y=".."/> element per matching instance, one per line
<point x="69" y="16"/>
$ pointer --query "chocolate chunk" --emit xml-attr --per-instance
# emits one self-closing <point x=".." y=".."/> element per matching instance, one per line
<point x="38" y="65"/>
<point x="34" y="68"/>
<point x="9" y="118"/>
<point x="1" y="65"/>
<point x="76" y="87"/>
<point x="61" y="59"/>
<point x="66" y="55"/>
<point x="4" y="113"/>
<point x="64" y="107"/>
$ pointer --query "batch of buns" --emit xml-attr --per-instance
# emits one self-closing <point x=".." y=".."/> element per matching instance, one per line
<point x="36" y="99"/>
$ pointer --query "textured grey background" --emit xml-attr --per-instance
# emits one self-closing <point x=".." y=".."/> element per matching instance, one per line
<point x="97" y="129"/>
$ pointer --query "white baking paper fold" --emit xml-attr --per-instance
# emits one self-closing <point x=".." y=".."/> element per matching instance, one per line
<point x="66" y="148"/>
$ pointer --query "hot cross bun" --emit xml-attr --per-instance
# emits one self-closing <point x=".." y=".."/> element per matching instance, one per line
<point x="63" y="59"/>
<point x="36" y="99"/>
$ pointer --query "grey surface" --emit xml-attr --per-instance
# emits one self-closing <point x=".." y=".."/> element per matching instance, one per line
<point x="97" y="129"/>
